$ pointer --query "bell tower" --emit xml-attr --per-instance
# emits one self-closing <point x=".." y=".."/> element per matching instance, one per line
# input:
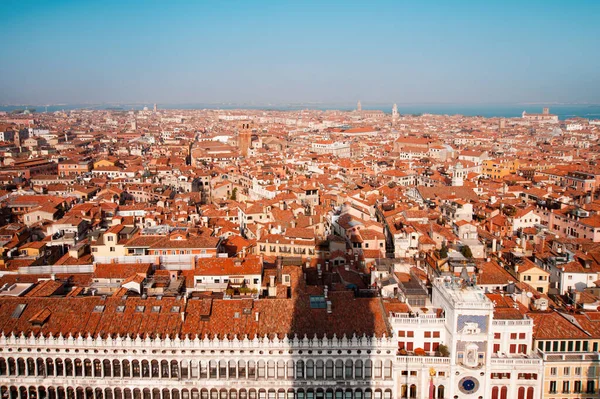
<point x="244" y="137"/>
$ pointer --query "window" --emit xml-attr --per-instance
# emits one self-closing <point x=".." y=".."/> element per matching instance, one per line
<point x="497" y="335"/>
<point x="402" y="333"/>
<point x="577" y="371"/>
<point x="436" y="334"/>
<point x="590" y="387"/>
<point x="427" y="334"/>
<point x="513" y="336"/>
<point x="112" y="249"/>
<point x="553" y="371"/>
<point x="521" y="335"/>
<point x="567" y="371"/>
<point x="565" y="387"/>
<point x="552" y="386"/>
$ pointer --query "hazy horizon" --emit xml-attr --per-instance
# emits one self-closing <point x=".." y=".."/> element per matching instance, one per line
<point x="268" y="52"/>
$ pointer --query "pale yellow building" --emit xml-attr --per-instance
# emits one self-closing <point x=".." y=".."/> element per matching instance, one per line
<point x="498" y="168"/>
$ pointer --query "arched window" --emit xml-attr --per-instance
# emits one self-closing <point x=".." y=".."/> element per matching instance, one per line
<point x="232" y="369"/>
<point x="378" y="368"/>
<point x="290" y="369"/>
<point x="329" y="369"/>
<point x="41" y="367"/>
<point x="12" y="366"/>
<point x="30" y="366"/>
<point x="3" y="367"/>
<point x="339" y="369"/>
<point x="280" y="369"/>
<point x="348" y="370"/>
<point x="387" y="370"/>
<point x="222" y="368"/>
<point x="174" y="369"/>
<point x="261" y="366"/>
<point x="441" y="391"/>
<point x="212" y="369"/>
<point x="404" y="391"/>
<point x="320" y="372"/>
<point x="358" y="372"/>
<point x="97" y="372"/>
<point x="530" y="393"/>
<point x="78" y="366"/>
<point x="116" y="368"/>
<point x="251" y="369"/>
<point x="135" y="370"/>
<point x="310" y="369"/>
<point x="368" y="369"/>
<point x="271" y="369"/>
<point x="413" y="391"/>
<point x="299" y="369"/>
<point x="50" y="366"/>
<point x="495" y="391"/>
<point x="504" y="393"/>
<point x="146" y="373"/>
<point x="69" y="367"/>
<point x="521" y="393"/>
<point x="87" y="368"/>
<point x="107" y="368"/>
<point x="126" y="370"/>
<point x="20" y="366"/>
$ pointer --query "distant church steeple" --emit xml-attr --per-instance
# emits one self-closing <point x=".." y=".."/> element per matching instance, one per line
<point x="358" y="107"/>
<point x="394" y="114"/>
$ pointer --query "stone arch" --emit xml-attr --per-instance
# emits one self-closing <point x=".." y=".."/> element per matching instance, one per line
<point x="348" y="369"/>
<point x="11" y="364"/>
<point x="77" y="367"/>
<point x="30" y="370"/>
<point x="50" y="366"/>
<point x="87" y="368"/>
<point x="232" y="369"/>
<point x="174" y="369"/>
<point x="145" y="369"/>
<point x="106" y="368"/>
<point x="20" y="366"/>
<point x="40" y="367"/>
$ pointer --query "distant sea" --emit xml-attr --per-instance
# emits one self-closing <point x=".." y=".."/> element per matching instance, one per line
<point x="564" y="111"/>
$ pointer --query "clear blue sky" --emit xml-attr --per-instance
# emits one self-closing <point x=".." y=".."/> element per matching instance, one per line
<point x="170" y="51"/>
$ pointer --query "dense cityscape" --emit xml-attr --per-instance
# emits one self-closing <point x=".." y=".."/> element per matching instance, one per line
<point x="250" y="254"/>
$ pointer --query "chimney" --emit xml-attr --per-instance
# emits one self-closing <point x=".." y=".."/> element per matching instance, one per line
<point x="325" y="291"/>
<point x="279" y="267"/>
<point x="272" y="281"/>
<point x="329" y="307"/>
<point x="182" y="317"/>
<point x="256" y="316"/>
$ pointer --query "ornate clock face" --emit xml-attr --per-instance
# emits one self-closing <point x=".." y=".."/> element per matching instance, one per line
<point x="468" y="385"/>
